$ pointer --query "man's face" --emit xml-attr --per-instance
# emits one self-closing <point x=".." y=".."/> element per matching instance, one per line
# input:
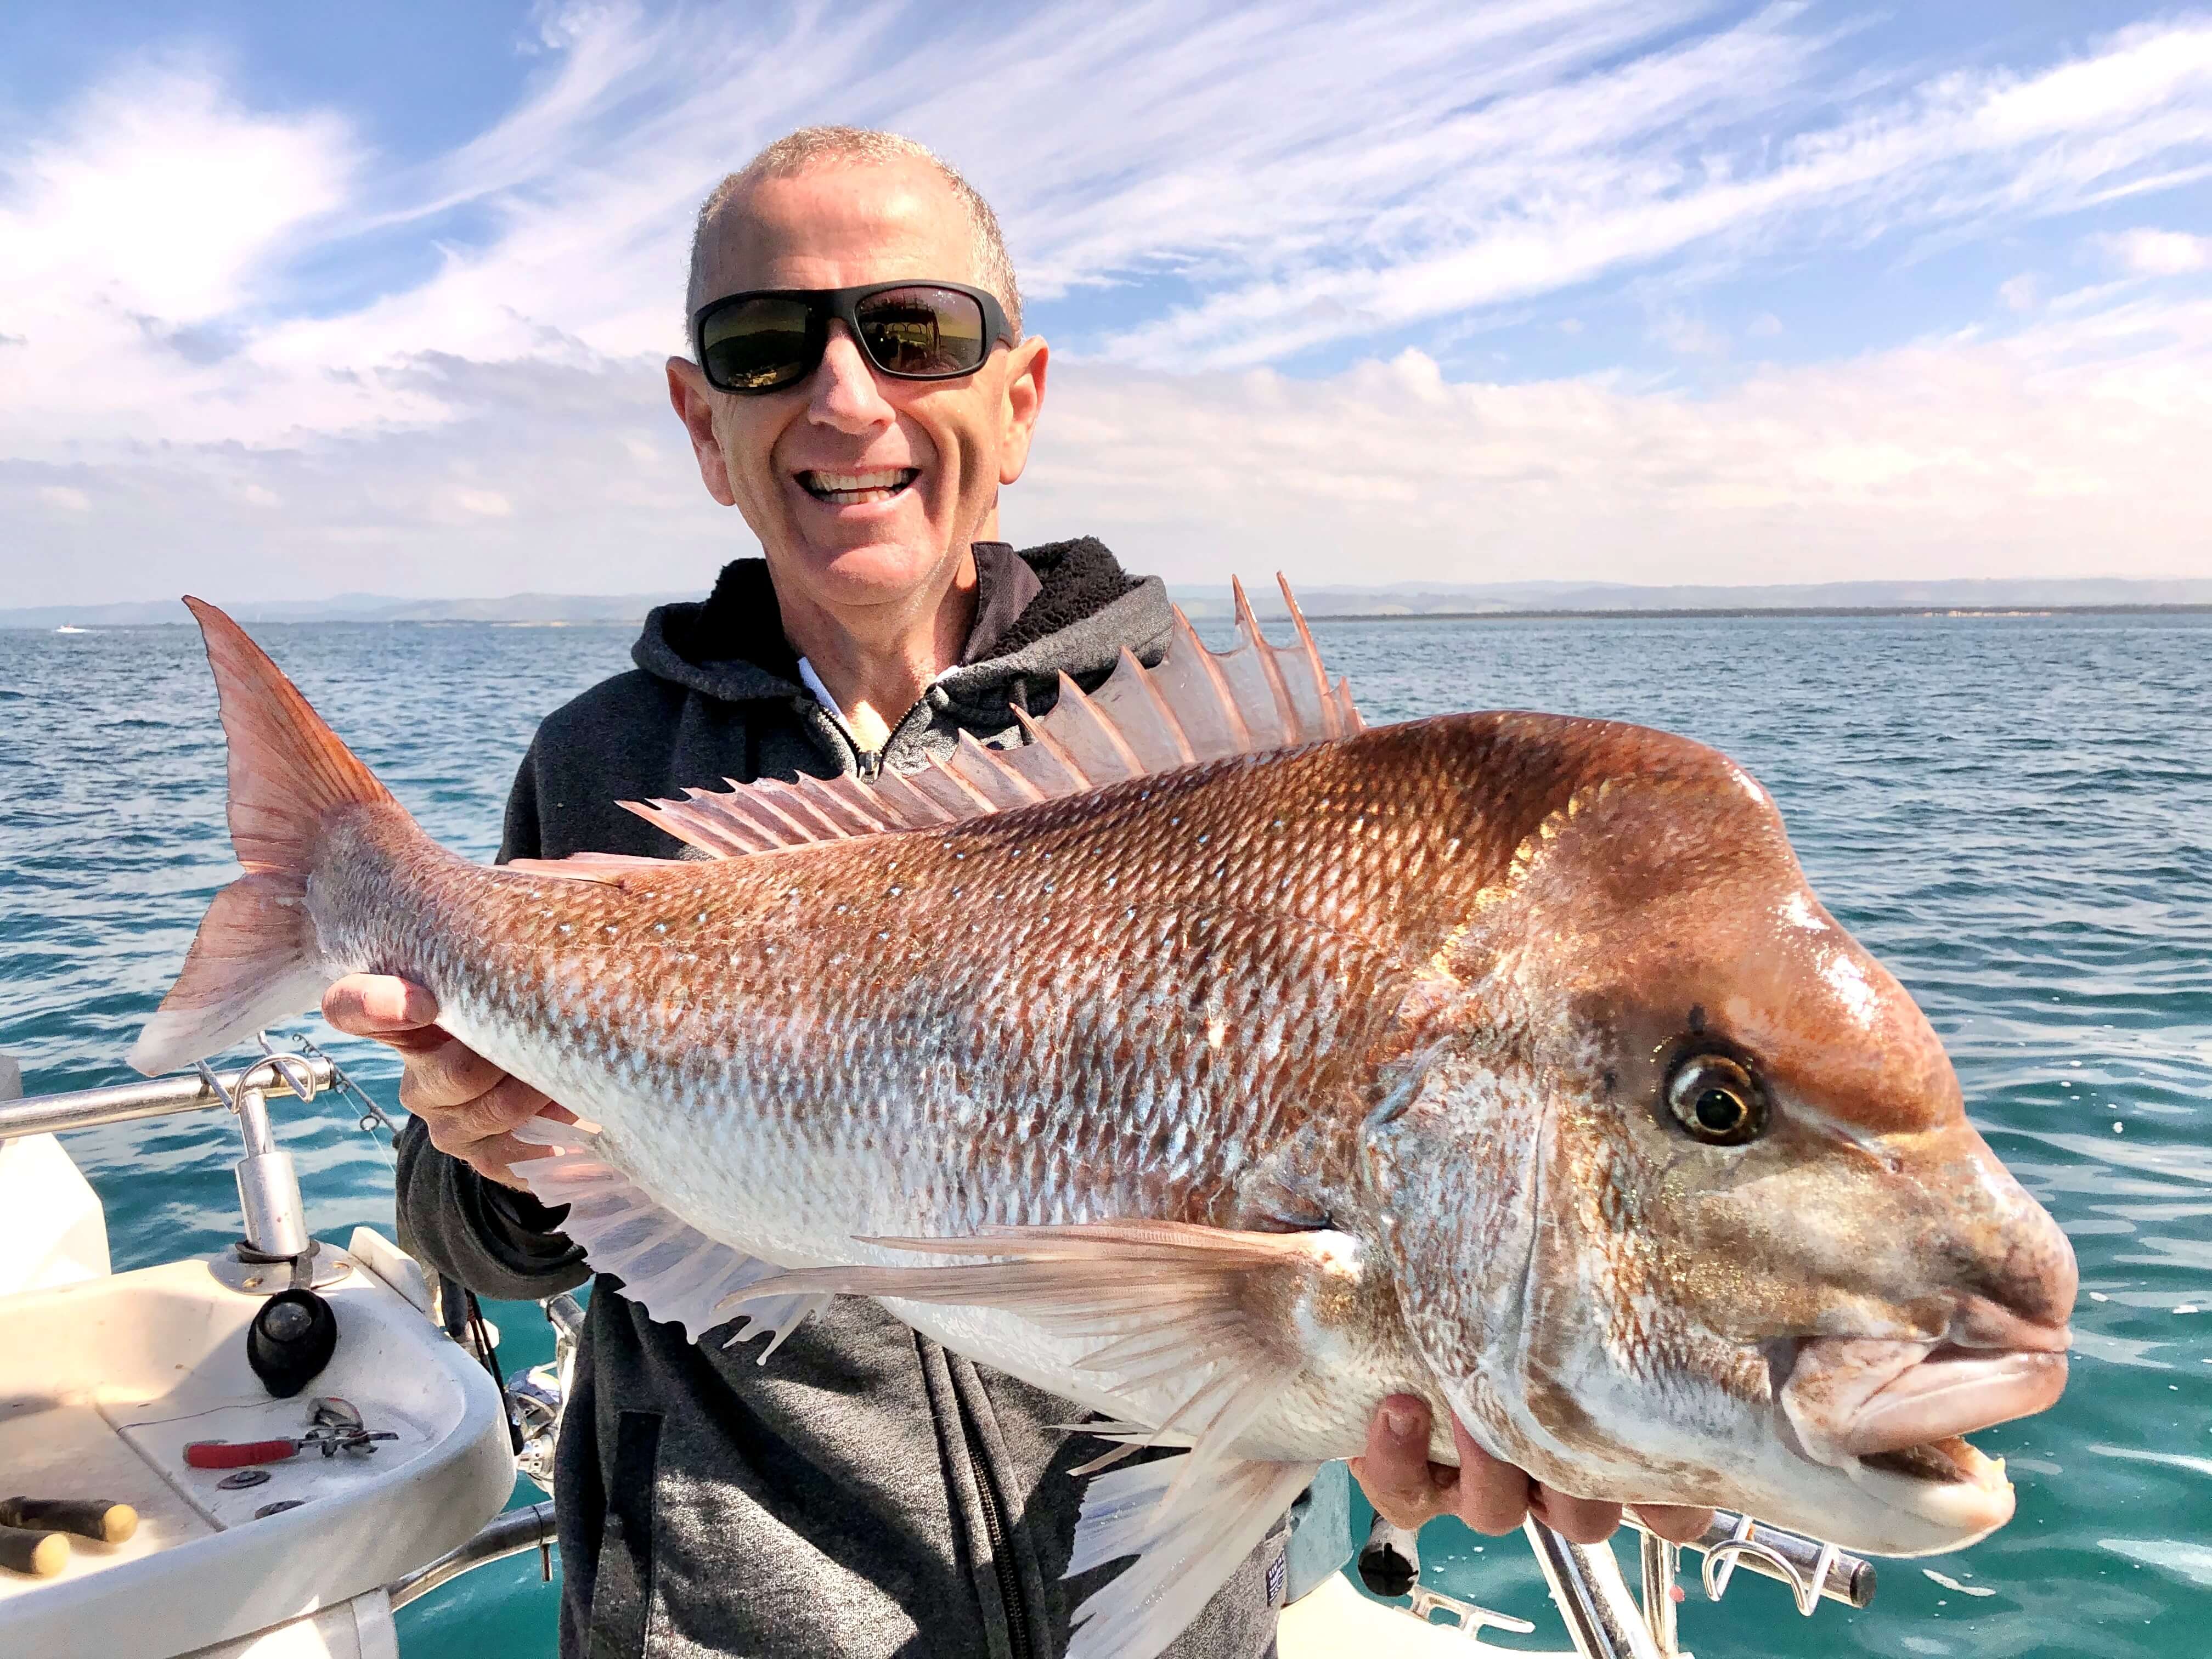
<point x="860" y="486"/>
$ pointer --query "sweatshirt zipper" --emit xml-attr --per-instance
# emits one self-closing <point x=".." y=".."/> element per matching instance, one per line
<point x="994" y="1530"/>
<point x="868" y="764"/>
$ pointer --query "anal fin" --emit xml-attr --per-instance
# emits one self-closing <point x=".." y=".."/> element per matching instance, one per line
<point x="1213" y="1322"/>
<point x="669" y="1267"/>
<point x="1188" y="1537"/>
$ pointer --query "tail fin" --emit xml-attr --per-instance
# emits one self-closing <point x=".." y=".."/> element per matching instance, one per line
<point x="253" y="960"/>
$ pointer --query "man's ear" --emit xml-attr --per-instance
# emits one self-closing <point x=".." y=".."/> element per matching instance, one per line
<point x="1026" y="367"/>
<point x="694" y="402"/>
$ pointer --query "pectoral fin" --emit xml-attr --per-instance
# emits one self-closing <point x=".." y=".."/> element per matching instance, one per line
<point x="1217" y="1321"/>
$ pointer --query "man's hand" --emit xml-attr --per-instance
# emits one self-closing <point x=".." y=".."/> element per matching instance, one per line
<point x="470" y="1107"/>
<point x="1491" y="1497"/>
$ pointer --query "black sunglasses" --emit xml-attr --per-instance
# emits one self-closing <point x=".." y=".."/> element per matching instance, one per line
<point x="765" y="339"/>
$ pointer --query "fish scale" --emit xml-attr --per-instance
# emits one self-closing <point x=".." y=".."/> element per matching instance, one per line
<point x="1225" y="1066"/>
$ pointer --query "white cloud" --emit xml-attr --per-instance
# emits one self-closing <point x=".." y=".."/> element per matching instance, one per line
<point x="484" y="503"/>
<point x="2066" y="450"/>
<point x="2071" y="448"/>
<point x="2021" y="294"/>
<point x="65" y="498"/>
<point x="143" y="237"/>
<point x="2158" y="252"/>
<point x="1688" y="336"/>
<point x="1765" y="326"/>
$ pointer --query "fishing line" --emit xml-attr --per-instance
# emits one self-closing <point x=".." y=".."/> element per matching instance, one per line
<point x="372" y="1117"/>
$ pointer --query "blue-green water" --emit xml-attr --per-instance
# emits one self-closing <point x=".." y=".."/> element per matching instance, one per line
<point x="2016" y="814"/>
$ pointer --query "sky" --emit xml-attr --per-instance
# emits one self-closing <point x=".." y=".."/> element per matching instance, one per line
<point x="308" y="300"/>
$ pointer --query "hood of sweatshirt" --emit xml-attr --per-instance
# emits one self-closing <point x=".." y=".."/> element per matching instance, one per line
<point x="1065" y="607"/>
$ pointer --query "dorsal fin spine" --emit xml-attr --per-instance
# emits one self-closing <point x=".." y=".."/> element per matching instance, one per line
<point x="1084" y="715"/>
<point x="805" y="815"/>
<point x="1329" y="722"/>
<point x="1287" y="710"/>
<point x="1185" y="754"/>
<point x="921" y="811"/>
<point x="1041" y="738"/>
<point x="981" y="768"/>
<point x="1188" y="635"/>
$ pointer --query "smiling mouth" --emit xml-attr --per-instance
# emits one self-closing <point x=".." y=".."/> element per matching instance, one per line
<point x="858" y="489"/>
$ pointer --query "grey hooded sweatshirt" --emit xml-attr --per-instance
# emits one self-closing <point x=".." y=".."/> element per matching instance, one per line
<point x="866" y="1492"/>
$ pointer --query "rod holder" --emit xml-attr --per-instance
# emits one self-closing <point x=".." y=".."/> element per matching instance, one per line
<point x="1659" y="1559"/>
<point x="268" y="1202"/>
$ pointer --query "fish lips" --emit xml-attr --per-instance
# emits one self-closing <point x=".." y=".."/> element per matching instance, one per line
<point x="1850" y="1398"/>
<point x="1888" y="1416"/>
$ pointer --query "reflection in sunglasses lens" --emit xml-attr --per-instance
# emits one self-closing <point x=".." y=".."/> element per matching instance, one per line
<point x="758" y="345"/>
<point x="923" y="331"/>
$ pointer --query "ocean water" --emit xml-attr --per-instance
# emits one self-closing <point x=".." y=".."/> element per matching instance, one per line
<point x="2016" y="814"/>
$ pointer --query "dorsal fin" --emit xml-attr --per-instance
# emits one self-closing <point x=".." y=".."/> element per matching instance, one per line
<point x="1198" y="705"/>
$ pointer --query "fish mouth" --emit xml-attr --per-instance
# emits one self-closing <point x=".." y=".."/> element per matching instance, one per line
<point x="1951" y="1461"/>
<point x="1893" y="1415"/>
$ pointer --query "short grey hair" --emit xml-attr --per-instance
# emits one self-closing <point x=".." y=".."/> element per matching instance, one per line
<point x="811" y="147"/>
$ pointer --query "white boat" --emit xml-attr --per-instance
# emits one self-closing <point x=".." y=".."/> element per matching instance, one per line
<point x="66" y="628"/>
<point x="290" y="1525"/>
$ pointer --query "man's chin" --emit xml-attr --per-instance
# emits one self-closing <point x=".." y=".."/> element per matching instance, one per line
<point x="873" y="569"/>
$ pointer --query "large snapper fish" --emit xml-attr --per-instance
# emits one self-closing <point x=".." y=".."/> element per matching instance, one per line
<point x="1226" y="1067"/>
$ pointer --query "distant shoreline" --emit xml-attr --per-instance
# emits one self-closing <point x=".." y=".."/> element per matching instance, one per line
<point x="1941" y="612"/>
<point x="1751" y="612"/>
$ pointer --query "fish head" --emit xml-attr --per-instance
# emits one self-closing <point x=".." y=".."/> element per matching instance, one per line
<point x="1685" y="1204"/>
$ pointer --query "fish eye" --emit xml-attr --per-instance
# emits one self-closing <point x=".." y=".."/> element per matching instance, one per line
<point x="1718" y="1100"/>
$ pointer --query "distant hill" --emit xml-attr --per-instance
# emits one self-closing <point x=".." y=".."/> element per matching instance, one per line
<point x="356" y="608"/>
<point x="1401" y="600"/>
<point x="1504" y="598"/>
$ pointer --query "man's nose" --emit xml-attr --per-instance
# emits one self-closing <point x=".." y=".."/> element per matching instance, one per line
<point x="844" y="393"/>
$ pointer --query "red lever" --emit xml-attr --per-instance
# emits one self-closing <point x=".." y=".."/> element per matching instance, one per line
<point x="238" y="1455"/>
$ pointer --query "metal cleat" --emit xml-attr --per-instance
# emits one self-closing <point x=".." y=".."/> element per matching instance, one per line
<point x="1603" y="1620"/>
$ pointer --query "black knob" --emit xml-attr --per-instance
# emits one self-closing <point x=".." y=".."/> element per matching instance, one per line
<point x="1390" y="1561"/>
<point x="290" y="1340"/>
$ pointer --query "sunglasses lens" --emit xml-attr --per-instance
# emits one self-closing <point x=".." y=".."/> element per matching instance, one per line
<point x="923" y="332"/>
<point x="756" y="346"/>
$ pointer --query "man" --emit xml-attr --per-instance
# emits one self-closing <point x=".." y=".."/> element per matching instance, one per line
<point x="866" y="1492"/>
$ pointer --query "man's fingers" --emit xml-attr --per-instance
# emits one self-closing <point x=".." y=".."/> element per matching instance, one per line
<point x="494" y="1159"/>
<point x="378" y="1005"/>
<point x="1579" y="1520"/>
<point x="500" y="1110"/>
<point x="1673" y="1522"/>
<point x="450" y="1075"/>
<point x="1494" y="1496"/>
<point x="1394" y="1471"/>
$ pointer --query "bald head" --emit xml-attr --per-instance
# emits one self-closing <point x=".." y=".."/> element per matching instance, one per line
<point x="718" y="237"/>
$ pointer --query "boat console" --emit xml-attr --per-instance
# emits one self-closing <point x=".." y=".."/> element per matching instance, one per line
<point x="248" y="1509"/>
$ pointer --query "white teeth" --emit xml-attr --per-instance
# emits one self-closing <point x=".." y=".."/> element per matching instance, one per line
<point x="848" y="488"/>
<point x="843" y="481"/>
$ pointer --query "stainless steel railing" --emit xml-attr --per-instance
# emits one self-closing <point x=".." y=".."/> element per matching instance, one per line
<point x="86" y="1109"/>
<point x="527" y="1529"/>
